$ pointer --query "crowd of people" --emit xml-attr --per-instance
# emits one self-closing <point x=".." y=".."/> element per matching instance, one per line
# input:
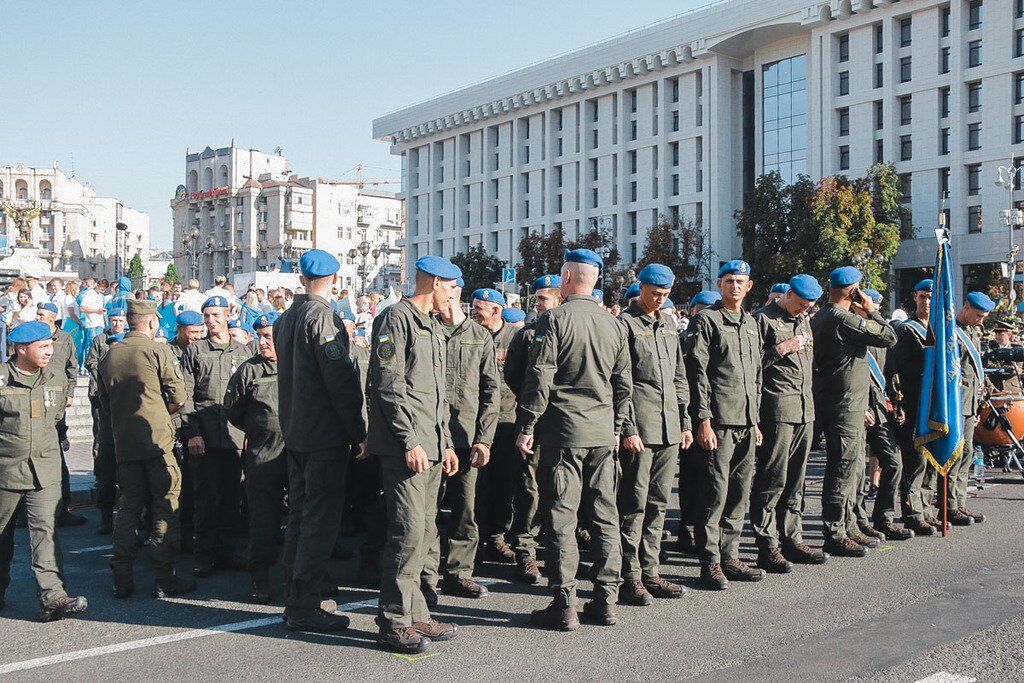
<point x="218" y="420"/>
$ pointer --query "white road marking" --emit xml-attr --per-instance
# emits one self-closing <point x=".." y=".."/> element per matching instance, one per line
<point x="946" y="677"/>
<point x="90" y="549"/>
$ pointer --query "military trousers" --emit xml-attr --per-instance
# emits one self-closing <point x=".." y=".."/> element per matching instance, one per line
<point x="104" y="464"/>
<point x="217" y="481"/>
<point x="525" y="504"/>
<point x="41" y="511"/>
<point x="410" y="499"/>
<point x="316" y="491"/>
<point x="456" y="555"/>
<point x="881" y="440"/>
<point x="777" y="490"/>
<point x="365" y="499"/>
<point x="644" y="488"/>
<point x="266" y="480"/>
<point x="725" y="486"/>
<point x="498" y="484"/>
<point x="154" y="483"/>
<point x="844" y="472"/>
<point x="580" y="484"/>
<point x="960" y="470"/>
<point x="916" y="495"/>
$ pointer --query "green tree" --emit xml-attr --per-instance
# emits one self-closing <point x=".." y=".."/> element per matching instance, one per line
<point x="683" y="247"/>
<point x="136" y="272"/>
<point x="540" y="255"/>
<point x="479" y="268"/>
<point x="171" y="275"/>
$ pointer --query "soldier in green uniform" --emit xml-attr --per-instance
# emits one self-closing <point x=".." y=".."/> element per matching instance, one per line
<point x="65" y="358"/>
<point x="787" y="425"/>
<point x="32" y="399"/>
<point x="657" y="426"/>
<point x="190" y="330"/>
<point x="573" y="404"/>
<point x="251" y="405"/>
<point x="140" y="385"/>
<point x="903" y="370"/>
<point x="213" y="444"/>
<point x="843" y="330"/>
<point x="969" y="320"/>
<point x="320" y="409"/>
<point x="409" y="434"/>
<point x="1003" y="338"/>
<point x="526" y="497"/>
<point x="104" y="462"/>
<point x="724" y="361"/>
<point x="472" y="390"/>
<point x="690" y="464"/>
<point x="881" y="422"/>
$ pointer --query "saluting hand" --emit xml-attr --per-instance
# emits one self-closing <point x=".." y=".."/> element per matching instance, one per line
<point x="479" y="455"/>
<point x="450" y="462"/>
<point x="706" y="437"/>
<point x="524" y="442"/>
<point x="417" y="460"/>
<point x="196" y="445"/>
<point x="685" y="439"/>
<point x="633" y="444"/>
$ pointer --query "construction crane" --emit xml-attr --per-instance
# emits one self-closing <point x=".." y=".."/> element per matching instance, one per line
<point x="361" y="183"/>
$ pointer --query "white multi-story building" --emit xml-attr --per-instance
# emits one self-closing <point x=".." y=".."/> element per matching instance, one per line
<point x="74" y="229"/>
<point x="680" y="117"/>
<point x="242" y="210"/>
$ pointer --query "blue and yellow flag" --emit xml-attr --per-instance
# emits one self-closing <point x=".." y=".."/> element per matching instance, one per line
<point x="939" y="432"/>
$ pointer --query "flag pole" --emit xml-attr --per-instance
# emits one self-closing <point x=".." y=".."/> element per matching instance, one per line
<point x="945" y="504"/>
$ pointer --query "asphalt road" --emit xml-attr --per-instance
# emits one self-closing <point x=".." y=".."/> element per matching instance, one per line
<point x="931" y="609"/>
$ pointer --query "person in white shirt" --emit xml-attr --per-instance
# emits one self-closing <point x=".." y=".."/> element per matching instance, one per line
<point x="219" y="288"/>
<point x="55" y="289"/>
<point x="191" y="299"/>
<point x="36" y="291"/>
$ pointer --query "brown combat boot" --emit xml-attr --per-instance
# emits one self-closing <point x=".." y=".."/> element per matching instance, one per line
<point x="845" y="547"/>
<point x="736" y="570"/>
<point x="662" y="589"/>
<point x="556" y="617"/>
<point x="712" y="577"/>
<point x="462" y="587"/>
<point x="437" y="631"/>
<point x="526" y="570"/>
<point x="601" y="612"/>
<point x="633" y="593"/>
<point x="801" y="553"/>
<point x="772" y="561"/>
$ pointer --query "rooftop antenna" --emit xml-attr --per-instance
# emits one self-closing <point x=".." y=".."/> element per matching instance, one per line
<point x="72" y="164"/>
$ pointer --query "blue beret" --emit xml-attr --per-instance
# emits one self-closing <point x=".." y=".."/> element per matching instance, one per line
<point x="119" y="311"/>
<point x="215" y="302"/>
<point x="265" y="320"/>
<point x="874" y="295"/>
<point x="583" y="256"/>
<point x="979" y="300"/>
<point x="546" y="282"/>
<point x="52" y="308"/>
<point x="734" y="267"/>
<point x="657" y="275"/>
<point x="805" y="287"/>
<point x="318" y="263"/>
<point x="598" y="296"/>
<point x="924" y="285"/>
<point x="844" y="277"/>
<point x="234" y="324"/>
<point x="667" y="304"/>
<point x="632" y="291"/>
<point x="491" y="296"/>
<point x="438" y="266"/>
<point x="32" y="331"/>
<point x="513" y="315"/>
<point x="705" y="298"/>
<point x="124" y="284"/>
<point x="779" y="288"/>
<point x="111" y="338"/>
<point x="189" y="319"/>
<point x="460" y="281"/>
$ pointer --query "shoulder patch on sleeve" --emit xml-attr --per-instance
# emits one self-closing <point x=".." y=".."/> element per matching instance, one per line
<point x="385" y="349"/>
<point x="871" y="327"/>
<point x="333" y="349"/>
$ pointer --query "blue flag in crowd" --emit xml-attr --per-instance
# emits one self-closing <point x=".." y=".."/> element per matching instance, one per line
<point x="939" y="432"/>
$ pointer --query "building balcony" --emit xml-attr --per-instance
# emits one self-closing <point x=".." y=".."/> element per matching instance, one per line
<point x="298" y="243"/>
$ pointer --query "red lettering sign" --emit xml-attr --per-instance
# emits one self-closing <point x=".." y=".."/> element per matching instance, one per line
<point x="207" y="194"/>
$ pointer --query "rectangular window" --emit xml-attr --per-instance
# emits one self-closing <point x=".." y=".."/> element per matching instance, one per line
<point x="595" y="141"/>
<point x="1018" y="43"/>
<point x="943" y="103"/>
<point x="558" y="147"/>
<point x="945" y="21"/>
<point x="784" y="117"/>
<point x="906" y="148"/>
<point x="879" y="151"/>
<point x="593" y="111"/>
<point x="943" y="141"/>
<point x="844" y="82"/>
<point x="974" y="15"/>
<point x="879" y="74"/>
<point x="879" y="115"/>
<point x="1018" y="9"/>
<point x="974" y="52"/>
<point x="906" y="187"/>
<point x="974" y="96"/>
<point x="593" y="170"/>
<point x="973" y="219"/>
<point x="675" y="153"/>
<point x="879" y="36"/>
<point x="943" y="182"/>
<point x="905" y="32"/>
<point x="632" y="191"/>
<point x="844" y="47"/>
<point x="844" y="157"/>
<point x="675" y="89"/>
<point x="1018" y="129"/>
<point x="844" y="121"/>
<point x="632" y="222"/>
<point x="632" y="101"/>
<point x="1018" y="86"/>
<point x="593" y="198"/>
<point x="675" y="121"/>
<point x="973" y="179"/>
<point x="558" y="120"/>
<point x="632" y="130"/>
<point x="906" y="70"/>
<point x="905" y="111"/>
<point x="675" y="183"/>
<point x="944" y="61"/>
<point x="974" y="136"/>
<point x="558" y="203"/>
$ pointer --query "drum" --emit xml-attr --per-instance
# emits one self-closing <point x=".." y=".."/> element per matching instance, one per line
<point x="989" y="432"/>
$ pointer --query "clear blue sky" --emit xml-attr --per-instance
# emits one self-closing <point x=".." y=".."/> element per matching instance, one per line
<point x="126" y="86"/>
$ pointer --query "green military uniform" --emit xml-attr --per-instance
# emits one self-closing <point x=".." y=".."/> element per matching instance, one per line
<point x="217" y="473"/>
<point x="30" y="464"/>
<point x="186" y="502"/>
<point x="881" y="441"/>
<point x="972" y="380"/>
<point x="137" y="378"/>
<point x="787" y="428"/>
<point x="724" y="364"/>
<point x="658" y="414"/>
<point x="842" y="387"/>
<point x="320" y="406"/>
<point x="104" y="462"/>
<point x="251" y="405"/>
<point x="525" y="495"/>
<point x="471" y="388"/>
<point x="574" y="401"/>
<point x="64" y="360"/>
<point x="904" y="368"/>
<point x="407" y="407"/>
<point x="1010" y="385"/>
<point x="363" y="493"/>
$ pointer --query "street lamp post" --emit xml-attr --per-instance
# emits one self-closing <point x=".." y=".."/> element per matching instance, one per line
<point x="1010" y="218"/>
<point x="191" y="252"/>
<point x="365" y="251"/>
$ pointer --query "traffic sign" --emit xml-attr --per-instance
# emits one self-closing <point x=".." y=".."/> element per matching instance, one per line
<point x="508" y="275"/>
